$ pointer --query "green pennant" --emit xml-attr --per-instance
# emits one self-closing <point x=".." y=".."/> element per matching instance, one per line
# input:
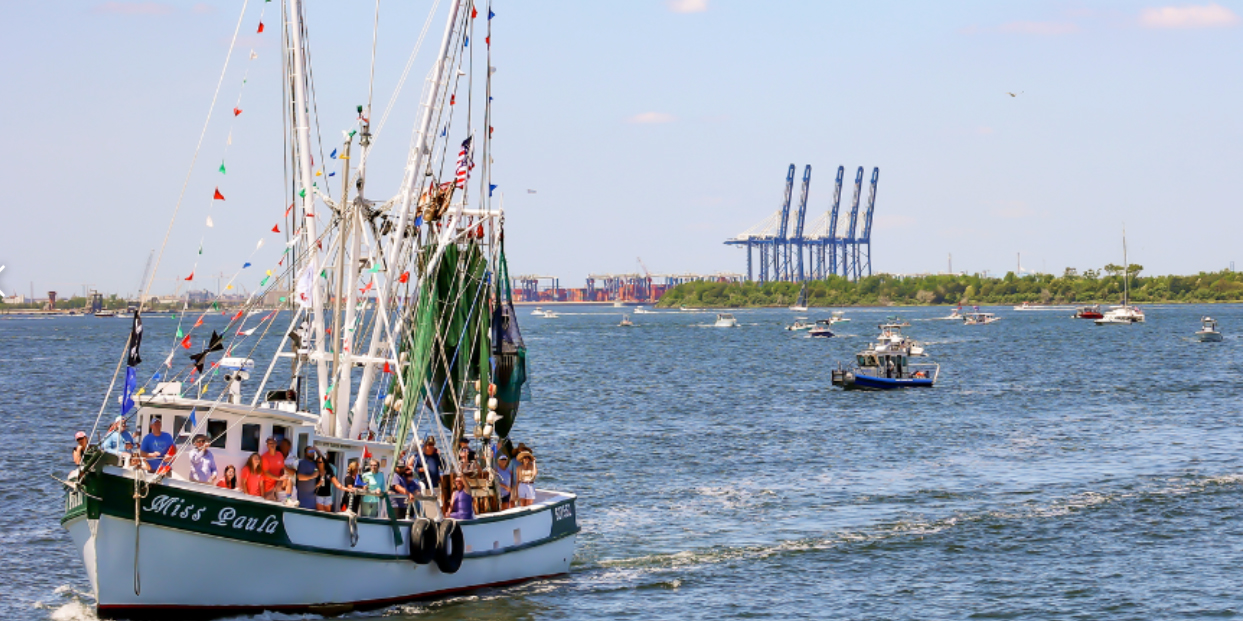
<point x="264" y="282"/>
<point x="215" y="306"/>
<point x="352" y="132"/>
<point x="302" y="194"/>
<point x="200" y="248"/>
<point x="282" y="300"/>
<point x="179" y="334"/>
<point x="374" y="269"/>
<point x="222" y="167"/>
<point x="323" y="274"/>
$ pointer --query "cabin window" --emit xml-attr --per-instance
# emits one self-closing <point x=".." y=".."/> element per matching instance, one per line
<point x="182" y="425"/>
<point x="281" y="432"/>
<point x="216" y="432"/>
<point x="250" y="438"/>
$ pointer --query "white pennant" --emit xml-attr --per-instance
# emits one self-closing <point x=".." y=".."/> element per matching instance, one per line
<point x="247" y="332"/>
<point x="230" y="140"/>
<point x="253" y="55"/>
<point x="260" y="244"/>
<point x="210" y="224"/>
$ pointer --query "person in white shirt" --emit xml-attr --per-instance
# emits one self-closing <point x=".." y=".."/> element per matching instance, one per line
<point x="202" y="463"/>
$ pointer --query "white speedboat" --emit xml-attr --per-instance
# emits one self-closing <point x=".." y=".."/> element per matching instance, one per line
<point x="538" y="312"/>
<point x="1208" y="331"/>
<point x="447" y="363"/>
<point x="643" y="311"/>
<point x="550" y="315"/>
<point x="892" y="339"/>
<point x="725" y="320"/>
<point x="1121" y="315"/>
<point x="823" y="329"/>
<point x="838" y="317"/>
<point x="955" y="315"/>
<point x="979" y="319"/>
<point x="801" y="324"/>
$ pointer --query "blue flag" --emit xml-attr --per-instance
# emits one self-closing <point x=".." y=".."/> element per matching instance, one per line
<point x="131" y="385"/>
<point x="332" y="155"/>
<point x="246" y="266"/>
<point x="194" y="423"/>
<point x="418" y="221"/>
<point x="491" y="14"/>
<point x="490" y="188"/>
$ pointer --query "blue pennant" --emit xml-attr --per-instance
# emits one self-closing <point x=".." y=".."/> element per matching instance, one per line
<point x="246" y="266"/>
<point x="332" y="155"/>
<point x="490" y="188"/>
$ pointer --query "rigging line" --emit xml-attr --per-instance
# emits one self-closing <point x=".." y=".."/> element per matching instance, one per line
<point x="310" y="79"/>
<point x="375" y="36"/>
<point x="409" y="63"/>
<point x="156" y="268"/>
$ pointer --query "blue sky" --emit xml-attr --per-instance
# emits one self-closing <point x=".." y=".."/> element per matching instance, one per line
<point x="649" y="129"/>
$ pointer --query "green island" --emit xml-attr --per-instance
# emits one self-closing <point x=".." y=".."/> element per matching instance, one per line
<point x="1072" y="287"/>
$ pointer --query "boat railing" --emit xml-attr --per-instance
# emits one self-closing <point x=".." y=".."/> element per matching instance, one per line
<point x="936" y="369"/>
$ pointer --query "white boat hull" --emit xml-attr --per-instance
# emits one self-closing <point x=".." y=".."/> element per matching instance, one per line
<point x="1209" y="337"/>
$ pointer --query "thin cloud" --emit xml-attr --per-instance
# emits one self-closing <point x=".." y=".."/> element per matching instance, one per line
<point x="133" y="8"/>
<point x="687" y="6"/>
<point x="1207" y="16"/>
<point x="1040" y="28"/>
<point x="648" y="118"/>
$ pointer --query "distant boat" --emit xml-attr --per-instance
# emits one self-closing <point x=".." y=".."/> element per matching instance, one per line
<point x="1124" y="314"/>
<point x="955" y="315"/>
<point x="823" y="330"/>
<point x="618" y="304"/>
<point x="1208" y="331"/>
<point x="801" y="305"/>
<point x="538" y="312"/>
<point x="800" y="324"/>
<point x="897" y="321"/>
<point x="105" y="313"/>
<point x="892" y="339"/>
<point x="979" y="319"/>
<point x="690" y="309"/>
<point x="625" y="322"/>
<point x="550" y="315"/>
<point x="643" y="311"/>
<point x="1088" y="312"/>
<point x="838" y="317"/>
<point x="725" y="320"/>
<point x="1028" y="306"/>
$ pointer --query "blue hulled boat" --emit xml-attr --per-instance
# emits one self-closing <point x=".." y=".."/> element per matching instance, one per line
<point x="885" y="368"/>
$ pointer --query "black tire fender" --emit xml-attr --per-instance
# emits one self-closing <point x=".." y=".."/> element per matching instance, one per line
<point x="424" y="539"/>
<point x="450" y="546"/>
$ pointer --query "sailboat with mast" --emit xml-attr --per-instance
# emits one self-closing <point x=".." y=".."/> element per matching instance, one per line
<point x="402" y="330"/>
<point x="1125" y="314"/>
<point x="800" y="305"/>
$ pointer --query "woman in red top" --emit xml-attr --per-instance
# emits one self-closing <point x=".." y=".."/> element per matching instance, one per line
<point x="229" y="480"/>
<point x="274" y="464"/>
<point x="255" y="480"/>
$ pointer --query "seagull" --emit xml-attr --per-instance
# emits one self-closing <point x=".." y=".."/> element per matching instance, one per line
<point x="1016" y="94"/>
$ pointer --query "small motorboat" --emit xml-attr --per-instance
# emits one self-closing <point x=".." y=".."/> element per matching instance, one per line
<point x="550" y="315"/>
<point x="801" y="324"/>
<point x="877" y="369"/>
<point x="643" y="311"/>
<point x="105" y="313"/>
<point x="725" y="320"/>
<point x="538" y="312"/>
<point x="892" y="339"/>
<point x="822" y="329"/>
<point x="1088" y="312"/>
<point x="979" y="319"/>
<point x="838" y="317"/>
<point x="897" y="321"/>
<point x="1121" y="315"/>
<point x="1208" y="331"/>
<point x="625" y="322"/>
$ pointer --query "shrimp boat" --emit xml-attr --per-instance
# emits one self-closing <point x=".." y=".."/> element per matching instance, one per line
<point x="434" y="350"/>
<point x="1208" y="332"/>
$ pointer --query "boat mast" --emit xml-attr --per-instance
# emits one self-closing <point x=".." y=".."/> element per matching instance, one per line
<point x="416" y="161"/>
<point x="1126" y="272"/>
<point x="302" y="129"/>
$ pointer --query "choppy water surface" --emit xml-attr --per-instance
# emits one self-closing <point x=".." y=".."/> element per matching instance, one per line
<point x="1059" y="470"/>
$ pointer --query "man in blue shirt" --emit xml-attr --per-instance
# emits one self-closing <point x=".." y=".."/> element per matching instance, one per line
<point x="119" y="442"/>
<point x="505" y="478"/>
<point x="155" y="445"/>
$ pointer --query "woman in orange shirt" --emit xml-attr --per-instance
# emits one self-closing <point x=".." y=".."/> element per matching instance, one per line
<point x="255" y="480"/>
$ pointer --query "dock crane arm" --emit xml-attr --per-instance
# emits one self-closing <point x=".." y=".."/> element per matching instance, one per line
<point x="867" y="219"/>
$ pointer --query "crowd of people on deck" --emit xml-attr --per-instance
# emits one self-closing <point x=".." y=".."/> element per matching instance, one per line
<point x="279" y="476"/>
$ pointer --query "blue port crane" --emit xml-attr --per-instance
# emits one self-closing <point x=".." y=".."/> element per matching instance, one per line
<point x="797" y="241"/>
<point x="863" y="249"/>
<point x="828" y="244"/>
<point x="849" y="269"/>
<point x="780" y="247"/>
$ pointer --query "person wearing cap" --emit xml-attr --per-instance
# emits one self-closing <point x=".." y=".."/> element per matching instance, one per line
<point x="118" y="441"/>
<point x="401" y="491"/>
<point x="79" y="448"/>
<point x="307" y="479"/>
<point x="202" y="462"/>
<point x="432" y="457"/>
<point x="155" y="445"/>
<point x="505" y="479"/>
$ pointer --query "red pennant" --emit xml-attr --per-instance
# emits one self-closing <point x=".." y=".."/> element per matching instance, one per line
<point x="288" y="209"/>
<point x="276" y="228"/>
<point x="260" y="27"/>
<point x="474" y="12"/>
<point x="190" y="277"/>
<point x="218" y="196"/>
<point x="186" y="342"/>
<point x="367" y="288"/>
<point x="199" y="322"/>
<point x="452" y="99"/>
<point x="319" y="244"/>
<point x="488" y="40"/>
<point x="386" y="367"/>
<point x="237" y="316"/>
<point x="479" y="231"/>
<point x="310" y="215"/>
<point x="366" y="453"/>
<point x="237" y="111"/>
<point x="405" y="276"/>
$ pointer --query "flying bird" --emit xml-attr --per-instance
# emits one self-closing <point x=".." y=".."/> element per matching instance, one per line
<point x="1016" y="94"/>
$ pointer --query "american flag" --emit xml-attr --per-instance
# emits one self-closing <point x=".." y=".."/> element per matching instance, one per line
<point x="464" y="164"/>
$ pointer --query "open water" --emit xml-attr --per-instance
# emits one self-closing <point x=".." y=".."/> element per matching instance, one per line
<point x="1059" y="470"/>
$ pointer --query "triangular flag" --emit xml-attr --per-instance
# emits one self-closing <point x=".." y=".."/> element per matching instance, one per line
<point x="276" y="228"/>
<point x="474" y="12"/>
<point x="444" y="131"/>
<point x="260" y="244"/>
<point x="491" y="14"/>
<point x="179" y="334"/>
<point x="452" y="99"/>
<point x="405" y="276"/>
<point x="367" y="288"/>
<point x="247" y="332"/>
<point x="264" y="282"/>
<point x="269" y="272"/>
<point x="218" y="196"/>
<point x="253" y="55"/>
<point x="222" y="167"/>
<point x="260" y="27"/>
<point x="319" y="173"/>
<point x="288" y="209"/>
<point x="227" y="287"/>
<point x="186" y="342"/>
<point x="490" y="189"/>
<point x="238" y="315"/>
<point x="210" y="224"/>
<point x="366" y="453"/>
<point x="199" y="322"/>
<point x="245" y="265"/>
<point x="332" y="174"/>
<point x="465" y="41"/>
<point x="302" y="193"/>
<point x="200" y="248"/>
<point x="333" y="155"/>
<point x="386" y="367"/>
<point x="488" y="41"/>
<point x="194" y="422"/>
<point x="237" y="111"/>
<point x="190" y="277"/>
<point x="374" y="268"/>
